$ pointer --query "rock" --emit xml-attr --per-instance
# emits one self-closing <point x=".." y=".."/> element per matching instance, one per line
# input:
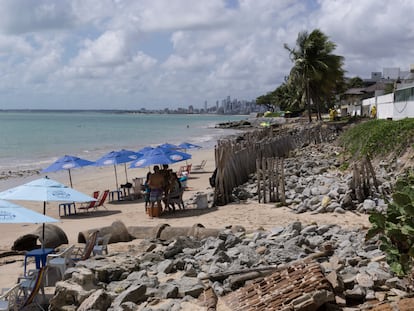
<point x="347" y="202"/>
<point x="99" y="300"/>
<point x="189" y="286"/>
<point x="369" y="205"/>
<point x="165" y="266"/>
<point x="364" y="280"/>
<point x="135" y="294"/>
<point x="168" y="290"/>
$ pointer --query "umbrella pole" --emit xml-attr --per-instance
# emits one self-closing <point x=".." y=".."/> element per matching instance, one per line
<point x="116" y="178"/>
<point x="43" y="227"/>
<point x="70" y="179"/>
<point x="126" y="174"/>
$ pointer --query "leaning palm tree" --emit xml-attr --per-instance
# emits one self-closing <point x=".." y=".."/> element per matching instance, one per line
<point x="316" y="71"/>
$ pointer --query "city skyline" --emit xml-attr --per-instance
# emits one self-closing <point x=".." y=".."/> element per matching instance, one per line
<point x="104" y="54"/>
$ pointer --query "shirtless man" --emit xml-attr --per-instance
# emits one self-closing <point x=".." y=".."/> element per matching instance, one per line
<point x="156" y="184"/>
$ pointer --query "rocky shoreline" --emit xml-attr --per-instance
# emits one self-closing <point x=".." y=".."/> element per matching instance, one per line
<point x="180" y="272"/>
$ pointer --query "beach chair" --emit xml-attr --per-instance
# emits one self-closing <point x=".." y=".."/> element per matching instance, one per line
<point x="85" y="253"/>
<point x="175" y="198"/>
<point x="101" y="245"/>
<point x="25" y="292"/>
<point x="138" y="185"/>
<point x="60" y="261"/>
<point x="101" y="200"/>
<point x="88" y="205"/>
<point x="199" y="167"/>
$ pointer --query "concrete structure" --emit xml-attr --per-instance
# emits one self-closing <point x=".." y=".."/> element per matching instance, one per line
<point x="394" y="106"/>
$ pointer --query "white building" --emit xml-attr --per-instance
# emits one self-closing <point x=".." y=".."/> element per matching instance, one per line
<point x="394" y="106"/>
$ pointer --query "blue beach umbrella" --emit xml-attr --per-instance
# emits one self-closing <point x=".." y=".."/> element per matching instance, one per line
<point x="67" y="162"/>
<point x="145" y="149"/>
<point x="45" y="189"/>
<point x="186" y="146"/>
<point x="160" y="155"/>
<point x="114" y="158"/>
<point x="168" y="146"/>
<point x="11" y="213"/>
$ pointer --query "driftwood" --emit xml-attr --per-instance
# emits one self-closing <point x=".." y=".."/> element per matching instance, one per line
<point x="209" y="299"/>
<point x="272" y="268"/>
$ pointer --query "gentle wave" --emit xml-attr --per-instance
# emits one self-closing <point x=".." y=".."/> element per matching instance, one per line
<point x="34" y="140"/>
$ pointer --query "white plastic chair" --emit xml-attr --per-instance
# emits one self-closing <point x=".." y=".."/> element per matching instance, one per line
<point x="101" y="245"/>
<point x="61" y="261"/>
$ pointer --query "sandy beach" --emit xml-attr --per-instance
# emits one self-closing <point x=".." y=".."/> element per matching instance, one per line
<point x="250" y="215"/>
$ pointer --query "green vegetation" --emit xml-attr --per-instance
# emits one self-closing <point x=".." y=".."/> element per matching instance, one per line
<point x="316" y="71"/>
<point x="395" y="227"/>
<point x="378" y="137"/>
<point x="314" y="80"/>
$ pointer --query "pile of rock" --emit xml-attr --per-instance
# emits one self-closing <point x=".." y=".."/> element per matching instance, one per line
<point x="166" y="275"/>
<point x="314" y="183"/>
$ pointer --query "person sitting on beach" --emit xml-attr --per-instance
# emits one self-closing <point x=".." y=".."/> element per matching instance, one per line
<point x="174" y="191"/>
<point x="156" y="184"/>
<point x="166" y="172"/>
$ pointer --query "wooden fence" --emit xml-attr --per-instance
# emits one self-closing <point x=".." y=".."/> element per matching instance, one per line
<point x="363" y="179"/>
<point x="236" y="158"/>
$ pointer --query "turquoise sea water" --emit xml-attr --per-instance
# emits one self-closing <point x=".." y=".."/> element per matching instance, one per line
<point x="33" y="140"/>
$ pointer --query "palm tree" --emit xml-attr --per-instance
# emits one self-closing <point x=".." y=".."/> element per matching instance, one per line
<point x="316" y="71"/>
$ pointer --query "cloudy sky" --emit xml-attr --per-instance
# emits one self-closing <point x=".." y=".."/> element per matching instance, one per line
<point x="129" y="54"/>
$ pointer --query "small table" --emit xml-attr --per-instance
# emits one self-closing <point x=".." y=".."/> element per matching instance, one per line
<point x="40" y="256"/>
<point x="118" y="194"/>
<point x="68" y="207"/>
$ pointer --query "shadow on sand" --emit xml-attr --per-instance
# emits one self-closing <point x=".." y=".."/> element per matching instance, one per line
<point x="188" y="212"/>
<point x="92" y="214"/>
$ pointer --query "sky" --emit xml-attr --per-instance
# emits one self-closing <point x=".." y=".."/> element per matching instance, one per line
<point x="156" y="54"/>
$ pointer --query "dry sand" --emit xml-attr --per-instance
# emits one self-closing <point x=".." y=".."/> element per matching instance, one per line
<point x="250" y="215"/>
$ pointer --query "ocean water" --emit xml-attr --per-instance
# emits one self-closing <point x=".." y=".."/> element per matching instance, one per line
<point x="33" y="140"/>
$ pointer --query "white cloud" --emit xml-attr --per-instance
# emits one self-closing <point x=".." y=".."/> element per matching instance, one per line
<point x="109" y="49"/>
<point x="20" y="16"/>
<point x="104" y="49"/>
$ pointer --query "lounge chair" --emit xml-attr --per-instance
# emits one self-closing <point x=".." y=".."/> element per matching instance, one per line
<point x="199" y="167"/>
<point x="101" y="245"/>
<point x="61" y="261"/>
<point x="101" y="200"/>
<point x="25" y="292"/>
<point x="85" y="253"/>
<point x="88" y="205"/>
<point x="184" y="170"/>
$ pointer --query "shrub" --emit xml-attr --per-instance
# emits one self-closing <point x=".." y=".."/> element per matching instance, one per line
<point x="396" y="226"/>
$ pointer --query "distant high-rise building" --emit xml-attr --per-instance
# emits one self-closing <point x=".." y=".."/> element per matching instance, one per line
<point x="391" y="73"/>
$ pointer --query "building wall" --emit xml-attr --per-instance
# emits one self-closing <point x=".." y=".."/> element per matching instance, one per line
<point x="384" y="104"/>
<point x="403" y="110"/>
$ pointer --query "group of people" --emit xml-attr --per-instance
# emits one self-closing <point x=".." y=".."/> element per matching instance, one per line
<point x="162" y="185"/>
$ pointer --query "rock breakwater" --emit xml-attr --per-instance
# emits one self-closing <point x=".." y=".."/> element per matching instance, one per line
<point x="171" y="275"/>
